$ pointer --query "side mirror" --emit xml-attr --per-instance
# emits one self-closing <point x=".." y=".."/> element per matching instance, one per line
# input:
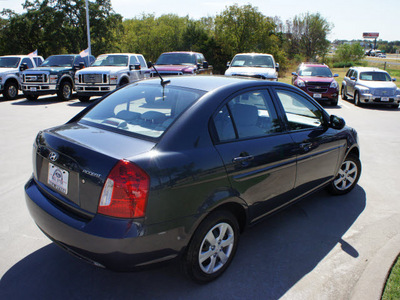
<point x="335" y="75"/>
<point x="199" y="65"/>
<point x="205" y="64"/>
<point x="394" y="79"/>
<point x="277" y="67"/>
<point x="23" y="67"/>
<point x="228" y="64"/>
<point x="134" y="67"/>
<point x="336" y="122"/>
<point x="294" y="73"/>
<point x="81" y="65"/>
<point x="149" y="64"/>
<point x="352" y="78"/>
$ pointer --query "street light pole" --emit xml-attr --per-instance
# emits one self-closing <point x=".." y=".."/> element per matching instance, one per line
<point x="88" y="27"/>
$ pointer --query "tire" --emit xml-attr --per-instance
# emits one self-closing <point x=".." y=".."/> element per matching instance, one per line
<point x="123" y="82"/>
<point x="334" y="102"/>
<point x="212" y="247"/>
<point x="10" y="90"/>
<point x="84" y="98"/>
<point x="31" y="97"/>
<point x="347" y="177"/>
<point x="65" y="91"/>
<point x="357" y="99"/>
<point x="343" y="93"/>
<point x="395" y="106"/>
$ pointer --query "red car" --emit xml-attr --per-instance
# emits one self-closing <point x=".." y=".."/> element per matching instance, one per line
<point x="317" y="81"/>
<point x="182" y="63"/>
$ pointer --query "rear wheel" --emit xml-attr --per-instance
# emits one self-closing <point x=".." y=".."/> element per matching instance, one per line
<point x="212" y="248"/>
<point x="10" y="90"/>
<point x="347" y="177"/>
<point x="343" y="93"/>
<point x="65" y="91"/>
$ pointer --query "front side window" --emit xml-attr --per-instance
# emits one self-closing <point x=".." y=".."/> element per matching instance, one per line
<point x="28" y="62"/>
<point x="133" y="60"/>
<point x="248" y="115"/>
<point x="142" y="62"/>
<point x="142" y="109"/>
<point x="300" y="112"/>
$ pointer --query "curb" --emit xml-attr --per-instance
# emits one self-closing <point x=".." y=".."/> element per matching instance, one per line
<point x="372" y="281"/>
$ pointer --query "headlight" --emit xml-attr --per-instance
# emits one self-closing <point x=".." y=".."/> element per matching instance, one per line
<point x="364" y="91"/>
<point x="53" y="78"/>
<point x="398" y="91"/>
<point x="334" y="84"/>
<point x="300" y="83"/>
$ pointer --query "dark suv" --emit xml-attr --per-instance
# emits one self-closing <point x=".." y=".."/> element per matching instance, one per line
<point x="317" y="81"/>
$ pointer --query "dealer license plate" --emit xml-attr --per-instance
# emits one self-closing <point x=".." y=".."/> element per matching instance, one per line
<point x="33" y="89"/>
<point x="385" y="99"/>
<point x="317" y="95"/>
<point x="58" y="178"/>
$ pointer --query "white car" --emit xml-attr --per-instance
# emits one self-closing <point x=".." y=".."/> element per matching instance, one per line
<point x="109" y="72"/>
<point x="10" y="66"/>
<point x="256" y="65"/>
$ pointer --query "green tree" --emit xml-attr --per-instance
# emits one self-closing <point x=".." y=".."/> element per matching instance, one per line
<point x="349" y="53"/>
<point x="307" y="35"/>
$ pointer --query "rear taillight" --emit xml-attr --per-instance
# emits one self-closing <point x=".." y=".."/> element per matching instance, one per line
<point x="125" y="191"/>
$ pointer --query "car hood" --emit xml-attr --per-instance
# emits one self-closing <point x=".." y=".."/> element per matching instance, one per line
<point x="8" y="70"/>
<point x="251" y="71"/>
<point x="87" y="154"/>
<point x="176" y="68"/>
<point x="102" y="69"/>
<point x="47" y="69"/>
<point x="377" y="84"/>
<point x="316" y="79"/>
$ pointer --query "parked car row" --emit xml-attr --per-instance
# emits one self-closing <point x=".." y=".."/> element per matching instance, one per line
<point x="364" y="85"/>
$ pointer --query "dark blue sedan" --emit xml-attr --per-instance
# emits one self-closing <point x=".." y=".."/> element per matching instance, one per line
<point x="178" y="168"/>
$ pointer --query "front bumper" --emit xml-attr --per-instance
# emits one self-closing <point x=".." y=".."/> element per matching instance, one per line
<point x="119" y="244"/>
<point x="94" y="90"/>
<point x="372" y="99"/>
<point x="39" y="89"/>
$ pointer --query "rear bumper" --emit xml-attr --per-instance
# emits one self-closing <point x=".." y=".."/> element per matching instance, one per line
<point x="119" y="244"/>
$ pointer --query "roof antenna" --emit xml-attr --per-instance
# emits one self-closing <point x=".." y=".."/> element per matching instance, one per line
<point x="163" y="82"/>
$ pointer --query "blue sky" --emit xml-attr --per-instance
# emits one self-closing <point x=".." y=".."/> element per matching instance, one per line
<point x="350" y="18"/>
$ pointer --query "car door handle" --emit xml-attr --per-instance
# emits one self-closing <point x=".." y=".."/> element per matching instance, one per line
<point x="306" y="146"/>
<point x="242" y="159"/>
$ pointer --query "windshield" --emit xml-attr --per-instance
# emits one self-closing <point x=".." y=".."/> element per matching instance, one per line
<point x="375" y="76"/>
<point x="111" y="60"/>
<point x="315" y="71"/>
<point x="176" y="59"/>
<point x="9" y="62"/>
<point x="262" y="61"/>
<point x="58" y="61"/>
<point x="142" y="109"/>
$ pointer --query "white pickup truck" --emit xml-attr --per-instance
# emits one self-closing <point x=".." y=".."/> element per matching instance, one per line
<point x="109" y="72"/>
<point x="10" y="67"/>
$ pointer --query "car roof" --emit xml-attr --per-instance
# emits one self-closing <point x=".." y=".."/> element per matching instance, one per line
<point x="20" y="56"/>
<point x="254" y="53"/>
<point x="368" y="69"/>
<point x="317" y="65"/>
<point x="188" y="52"/>
<point x="209" y="82"/>
<point x="120" y="54"/>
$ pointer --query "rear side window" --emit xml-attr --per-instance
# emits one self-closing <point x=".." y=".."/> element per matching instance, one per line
<point x="142" y="109"/>
<point x="247" y="115"/>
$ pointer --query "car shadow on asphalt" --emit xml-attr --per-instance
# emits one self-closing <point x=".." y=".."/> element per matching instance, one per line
<point x="272" y="257"/>
<point x="372" y="106"/>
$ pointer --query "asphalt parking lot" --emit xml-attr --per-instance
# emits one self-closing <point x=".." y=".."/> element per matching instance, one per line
<point x="321" y="248"/>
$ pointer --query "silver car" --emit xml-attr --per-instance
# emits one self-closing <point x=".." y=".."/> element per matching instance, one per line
<point x="370" y="86"/>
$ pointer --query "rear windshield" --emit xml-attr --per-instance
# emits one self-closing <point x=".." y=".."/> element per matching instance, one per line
<point x="143" y="109"/>
<point x="375" y="76"/>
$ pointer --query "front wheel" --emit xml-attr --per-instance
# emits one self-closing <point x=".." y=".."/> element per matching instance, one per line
<point x="343" y="93"/>
<point x="65" y="91"/>
<point x="212" y="248"/>
<point x="357" y="99"/>
<point x="10" y="90"/>
<point x="347" y="177"/>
